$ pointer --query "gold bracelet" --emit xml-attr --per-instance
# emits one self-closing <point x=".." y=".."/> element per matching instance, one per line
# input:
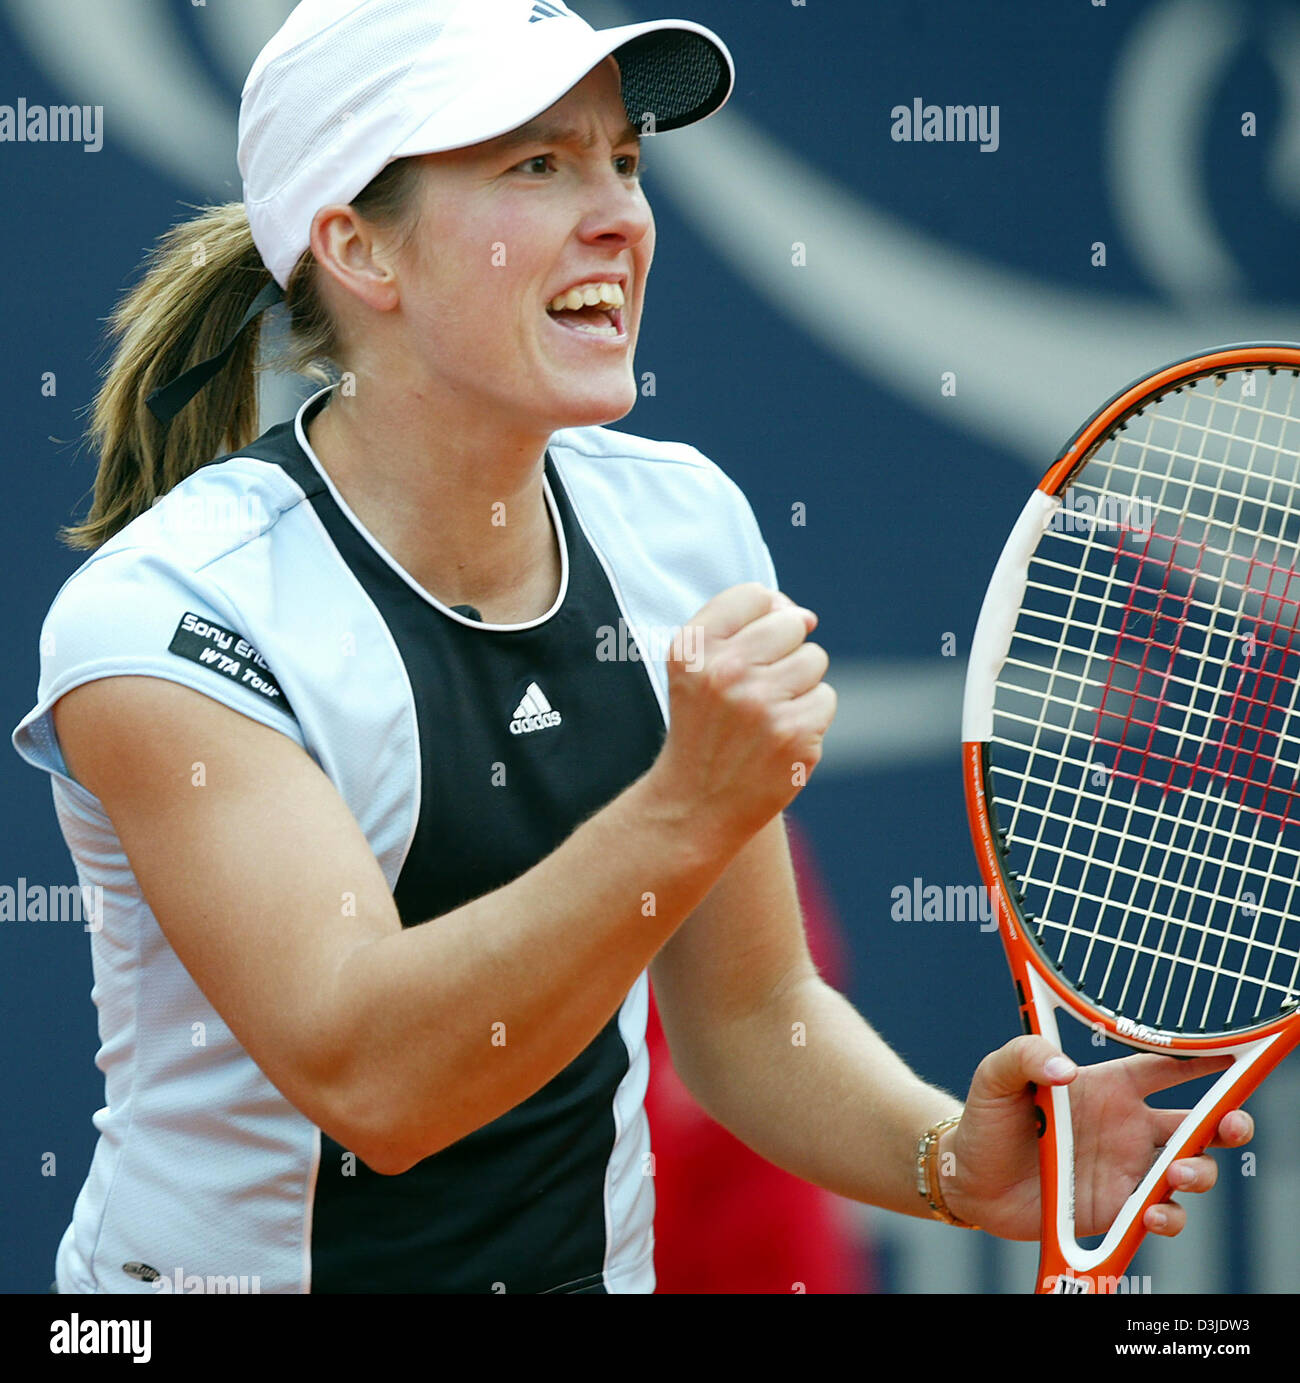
<point x="927" y="1173"/>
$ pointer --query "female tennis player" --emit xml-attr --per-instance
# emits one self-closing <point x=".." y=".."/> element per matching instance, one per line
<point x="372" y="734"/>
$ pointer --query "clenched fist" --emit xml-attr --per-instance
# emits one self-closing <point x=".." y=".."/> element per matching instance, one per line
<point x="748" y="708"/>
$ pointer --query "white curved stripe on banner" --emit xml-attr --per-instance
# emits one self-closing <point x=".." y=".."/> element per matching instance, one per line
<point x="1031" y="358"/>
<point x="132" y="58"/>
<point x="1159" y="109"/>
<point x="239" y="32"/>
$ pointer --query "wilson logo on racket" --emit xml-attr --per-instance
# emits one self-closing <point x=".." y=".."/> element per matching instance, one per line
<point x="1131" y="731"/>
<point x="1232" y="687"/>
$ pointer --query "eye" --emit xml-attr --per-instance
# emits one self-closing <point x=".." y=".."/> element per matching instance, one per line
<point x="631" y="164"/>
<point x="530" y="165"/>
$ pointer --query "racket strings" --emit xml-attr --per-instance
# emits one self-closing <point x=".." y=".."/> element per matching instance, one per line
<point x="1253" y="701"/>
<point x="1181" y="937"/>
<point x="1080" y="897"/>
<point x="1244" y="908"/>
<point x="1146" y="740"/>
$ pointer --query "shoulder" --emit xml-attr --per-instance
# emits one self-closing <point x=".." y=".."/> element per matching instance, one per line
<point x="671" y="495"/>
<point x="673" y="468"/>
<point x="669" y="460"/>
<point x="223" y="506"/>
<point x="608" y="442"/>
<point x="187" y="538"/>
<point x="177" y="594"/>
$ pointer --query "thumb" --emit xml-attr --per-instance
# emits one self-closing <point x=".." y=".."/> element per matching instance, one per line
<point x="1021" y="1061"/>
<point x="781" y="601"/>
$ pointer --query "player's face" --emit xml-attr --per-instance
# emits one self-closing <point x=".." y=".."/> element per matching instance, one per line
<point x="510" y="224"/>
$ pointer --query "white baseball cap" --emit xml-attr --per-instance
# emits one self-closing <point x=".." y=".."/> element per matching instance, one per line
<point x="347" y="86"/>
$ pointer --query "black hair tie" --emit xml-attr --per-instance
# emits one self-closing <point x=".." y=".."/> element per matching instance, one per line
<point x="167" y="401"/>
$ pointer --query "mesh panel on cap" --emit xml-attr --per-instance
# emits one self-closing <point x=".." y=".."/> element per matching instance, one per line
<point x="360" y="60"/>
<point x="679" y="76"/>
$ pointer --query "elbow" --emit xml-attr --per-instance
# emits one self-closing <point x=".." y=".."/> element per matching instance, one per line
<point x="352" y="1092"/>
<point x="390" y="1156"/>
<point x="374" y="1134"/>
<point x="379" y="1130"/>
<point x="369" y="1104"/>
<point x="382" y="1149"/>
<point x="388" y="1162"/>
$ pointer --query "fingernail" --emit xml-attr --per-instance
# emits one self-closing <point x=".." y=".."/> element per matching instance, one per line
<point x="1182" y="1176"/>
<point x="1059" y="1067"/>
<point x="1158" y="1219"/>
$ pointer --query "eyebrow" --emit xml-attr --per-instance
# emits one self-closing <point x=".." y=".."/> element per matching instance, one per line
<point x="543" y="132"/>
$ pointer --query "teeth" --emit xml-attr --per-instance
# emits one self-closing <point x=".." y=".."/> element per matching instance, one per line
<point x="607" y="295"/>
<point x="593" y="330"/>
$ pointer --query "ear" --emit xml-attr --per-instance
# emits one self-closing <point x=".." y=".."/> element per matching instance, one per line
<point x="351" y="251"/>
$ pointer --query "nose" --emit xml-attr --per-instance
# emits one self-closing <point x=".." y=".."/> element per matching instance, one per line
<point x="617" y="212"/>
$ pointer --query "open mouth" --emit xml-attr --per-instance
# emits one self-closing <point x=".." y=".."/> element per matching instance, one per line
<point x="594" y="309"/>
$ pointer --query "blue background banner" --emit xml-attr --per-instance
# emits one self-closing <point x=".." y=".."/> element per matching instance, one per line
<point x="883" y="340"/>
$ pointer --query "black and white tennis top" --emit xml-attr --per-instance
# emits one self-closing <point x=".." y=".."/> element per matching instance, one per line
<point x="466" y="751"/>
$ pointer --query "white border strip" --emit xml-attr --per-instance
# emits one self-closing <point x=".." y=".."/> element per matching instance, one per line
<point x="998" y="614"/>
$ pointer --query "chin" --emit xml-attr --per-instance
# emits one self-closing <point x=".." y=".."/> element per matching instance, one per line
<point x="595" y="411"/>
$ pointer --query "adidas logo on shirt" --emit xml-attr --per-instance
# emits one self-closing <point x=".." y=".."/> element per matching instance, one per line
<point x="534" y="712"/>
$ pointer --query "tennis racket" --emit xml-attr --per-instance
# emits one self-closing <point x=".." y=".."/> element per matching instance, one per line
<point x="1131" y="745"/>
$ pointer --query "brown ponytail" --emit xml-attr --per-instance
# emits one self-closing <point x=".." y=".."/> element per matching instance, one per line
<point x="199" y="280"/>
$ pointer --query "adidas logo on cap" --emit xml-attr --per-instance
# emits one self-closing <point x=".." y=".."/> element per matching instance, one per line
<point x="547" y="11"/>
<point x="534" y="712"/>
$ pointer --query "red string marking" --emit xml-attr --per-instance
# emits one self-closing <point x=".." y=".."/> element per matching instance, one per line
<point x="1116" y="661"/>
<point x="1153" y="654"/>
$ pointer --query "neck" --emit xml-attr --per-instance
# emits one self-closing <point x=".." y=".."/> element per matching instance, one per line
<point x="458" y="502"/>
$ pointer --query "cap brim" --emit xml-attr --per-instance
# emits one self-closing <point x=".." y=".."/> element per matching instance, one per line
<point x="673" y="73"/>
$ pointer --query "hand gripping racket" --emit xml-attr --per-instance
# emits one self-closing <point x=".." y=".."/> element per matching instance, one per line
<point x="1131" y="732"/>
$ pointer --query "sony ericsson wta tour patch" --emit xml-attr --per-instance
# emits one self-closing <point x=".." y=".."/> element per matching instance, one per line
<point x="227" y="653"/>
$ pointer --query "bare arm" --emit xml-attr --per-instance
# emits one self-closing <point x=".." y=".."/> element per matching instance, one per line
<point x="271" y="897"/>
<point x="791" y="1068"/>
<point x="814" y="1089"/>
<point x="269" y="893"/>
<point x="777" y="1056"/>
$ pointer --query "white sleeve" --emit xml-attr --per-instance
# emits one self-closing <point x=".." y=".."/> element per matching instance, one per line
<point x="757" y="560"/>
<point x="763" y="565"/>
<point x="132" y="612"/>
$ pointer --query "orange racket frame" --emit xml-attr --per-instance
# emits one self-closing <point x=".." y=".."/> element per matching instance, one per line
<point x="1065" y="1266"/>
